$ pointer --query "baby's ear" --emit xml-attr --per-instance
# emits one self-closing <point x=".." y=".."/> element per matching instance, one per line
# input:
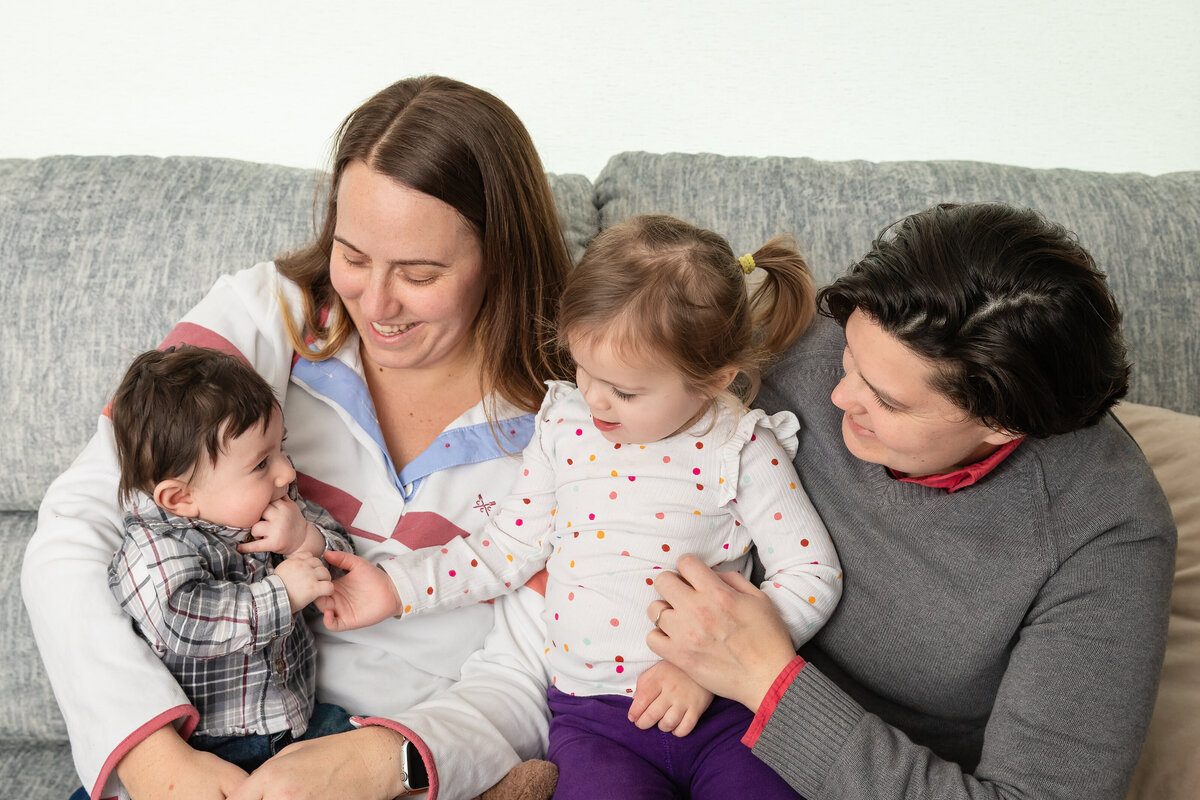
<point x="175" y="496"/>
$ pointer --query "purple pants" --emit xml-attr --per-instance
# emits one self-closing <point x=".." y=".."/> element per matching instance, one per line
<point x="601" y="755"/>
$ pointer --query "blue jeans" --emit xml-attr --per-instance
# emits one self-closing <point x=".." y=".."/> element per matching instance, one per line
<point x="249" y="752"/>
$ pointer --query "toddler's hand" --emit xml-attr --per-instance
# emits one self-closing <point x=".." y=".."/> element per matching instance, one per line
<point x="666" y="696"/>
<point x="283" y="530"/>
<point x="305" y="578"/>
<point x="363" y="596"/>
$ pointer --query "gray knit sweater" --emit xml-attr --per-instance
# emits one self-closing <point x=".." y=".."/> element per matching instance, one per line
<point x="1004" y="640"/>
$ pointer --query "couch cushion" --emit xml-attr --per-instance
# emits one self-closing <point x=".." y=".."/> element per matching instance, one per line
<point x="37" y="771"/>
<point x="1169" y="769"/>
<point x="1144" y="231"/>
<point x="100" y="256"/>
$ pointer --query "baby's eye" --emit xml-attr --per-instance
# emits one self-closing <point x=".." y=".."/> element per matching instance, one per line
<point x="621" y="395"/>
<point x="260" y="466"/>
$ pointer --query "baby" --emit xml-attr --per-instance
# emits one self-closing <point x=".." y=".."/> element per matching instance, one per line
<point x="220" y="553"/>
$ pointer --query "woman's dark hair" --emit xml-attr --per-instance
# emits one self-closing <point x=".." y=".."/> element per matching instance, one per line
<point x="466" y="148"/>
<point x="1021" y="326"/>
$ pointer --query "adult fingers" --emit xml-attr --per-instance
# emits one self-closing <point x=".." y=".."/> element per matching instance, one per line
<point x="655" y="611"/>
<point x="342" y="560"/>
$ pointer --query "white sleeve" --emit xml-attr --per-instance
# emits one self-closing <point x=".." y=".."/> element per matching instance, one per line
<point x="112" y="689"/>
<point x="495" y="717"/>
<point x="510" y="549"/>
<point x="803" y="574"/>
<point x="108" y="682"/>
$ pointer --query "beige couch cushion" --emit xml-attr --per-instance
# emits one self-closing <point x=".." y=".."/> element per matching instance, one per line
<point x="1169" y="768"/>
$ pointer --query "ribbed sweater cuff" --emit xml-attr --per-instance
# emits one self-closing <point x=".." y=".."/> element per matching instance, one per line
<point x="804" y="735"/>
<point x="767" y="707"/>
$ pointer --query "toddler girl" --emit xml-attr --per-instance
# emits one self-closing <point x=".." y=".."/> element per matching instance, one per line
<point x="651" y="455"/>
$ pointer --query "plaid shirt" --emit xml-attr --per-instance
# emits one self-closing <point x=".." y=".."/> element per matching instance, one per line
<point x="220" y="619"/>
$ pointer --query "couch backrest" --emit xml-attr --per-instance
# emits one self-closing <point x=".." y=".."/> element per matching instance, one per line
<point x="1143" y="231"/>
<point x="101" y="255"/>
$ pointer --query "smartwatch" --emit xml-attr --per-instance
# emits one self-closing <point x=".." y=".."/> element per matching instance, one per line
<point x="416" y="777"/>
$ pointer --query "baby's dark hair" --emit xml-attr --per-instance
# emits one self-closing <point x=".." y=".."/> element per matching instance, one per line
<point x="1021" y="324"/>
<point x="175" y="406"/>
<point x="658" y="287"/>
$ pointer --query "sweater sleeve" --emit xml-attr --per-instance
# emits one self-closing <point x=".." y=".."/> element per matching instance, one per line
<point x="498" y="706"/>
<point x="1071" y="714"/>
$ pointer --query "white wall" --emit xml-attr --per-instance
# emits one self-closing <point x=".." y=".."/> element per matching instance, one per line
<point x="1089" y="84"/>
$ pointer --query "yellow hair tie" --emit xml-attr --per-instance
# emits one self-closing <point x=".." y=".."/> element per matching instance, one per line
<point x="747" y="262"/>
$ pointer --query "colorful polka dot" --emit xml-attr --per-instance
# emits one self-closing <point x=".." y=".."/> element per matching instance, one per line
<point x="778" y="516"/>
<point x="659" y="515"/>
<point x="452" y="573"/>
<point x="612" y="495"/>
<point x="696" y="471"/>
<point x="614" y="622"/>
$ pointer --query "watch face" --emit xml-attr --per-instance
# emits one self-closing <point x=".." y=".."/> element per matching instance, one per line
<point x="414" y="768"/>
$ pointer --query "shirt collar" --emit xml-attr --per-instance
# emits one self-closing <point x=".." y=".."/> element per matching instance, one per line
<point x="963" y="476"/>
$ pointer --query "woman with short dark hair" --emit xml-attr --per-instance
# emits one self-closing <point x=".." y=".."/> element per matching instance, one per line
<point x="1008" y="553"/>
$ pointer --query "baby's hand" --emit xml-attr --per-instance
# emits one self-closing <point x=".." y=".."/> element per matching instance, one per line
<point x="283" y="530"/>
<point x="363" y="596"/>
<point x="667" y="696"/>
<point x="305" y="578"/>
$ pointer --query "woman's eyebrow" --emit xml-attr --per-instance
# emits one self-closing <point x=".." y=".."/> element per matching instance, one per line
<point x="397" y="262"/>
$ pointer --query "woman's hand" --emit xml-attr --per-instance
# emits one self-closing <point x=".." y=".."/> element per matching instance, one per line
<point x="165" y="767"/>
<point x="721" y="630"/>
<point x="364" y="764"/>
<point x="363" y="596"/>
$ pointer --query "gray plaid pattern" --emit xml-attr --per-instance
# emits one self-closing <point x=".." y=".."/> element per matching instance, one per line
<point x="220" y="619"/>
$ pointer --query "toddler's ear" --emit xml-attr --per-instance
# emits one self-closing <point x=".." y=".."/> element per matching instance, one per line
<point x="175" y="496"/>
<point x="723" y="378"/>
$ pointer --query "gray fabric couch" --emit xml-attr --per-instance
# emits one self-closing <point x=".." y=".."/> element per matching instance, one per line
<point x="99" y="256"/>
